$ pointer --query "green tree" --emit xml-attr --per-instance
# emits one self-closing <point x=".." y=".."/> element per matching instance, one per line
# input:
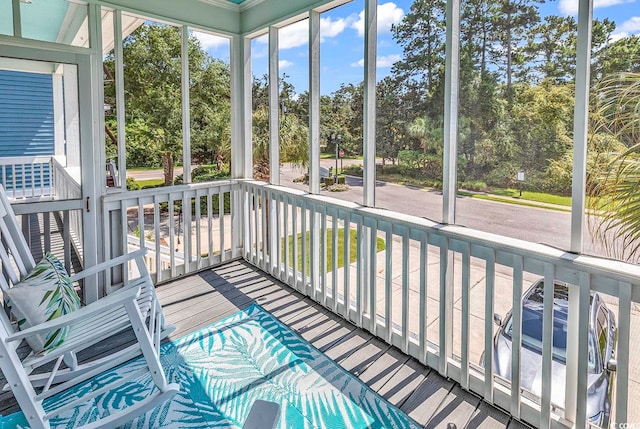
<point x="512" y="23"/>
<point x="152" y="67"/>
<point x="429" y="133"/>
<point x="621" y="55"/>
<point x="422" y="37"/>
<point x="294" y="132"/>
<point x="542" y="122"/>
<point x="390" y="120"/>
<point x="552" y="47"/>
<point x="210" y="89"/>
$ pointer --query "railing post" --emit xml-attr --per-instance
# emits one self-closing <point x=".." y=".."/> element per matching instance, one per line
<point x="446" y="307"/>
<point x="577" y="347"/>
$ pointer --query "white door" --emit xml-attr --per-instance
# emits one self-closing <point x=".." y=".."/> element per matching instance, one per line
<point x="47" y="153"/>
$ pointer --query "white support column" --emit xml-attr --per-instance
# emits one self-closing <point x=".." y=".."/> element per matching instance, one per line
<point x="314" y="102"/>
<point x="241" y="111"/>
<point x="17" y="21"/>
<point x="91" y="85"/>
<point x="452" y="71"/>
<point x="369" y="114"/>
<point x="241" y="146"/>
<point x="120" y="113"/>
<point x="58" y="114"/>
<point x="314" y="142"/>
<point x="274" y="109"/>
<point x="186" y="108"/>
<point x="451" y="84"/>
<point x="577" y="335"/>
<point x="72" y="116"/>
<point x="369" y="137"/>
<point x="581" y="116"/>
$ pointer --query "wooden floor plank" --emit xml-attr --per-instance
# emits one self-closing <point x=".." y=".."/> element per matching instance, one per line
<point x="427" y="398"/>
<point x="363" y="357"/>
<point x="385" y="367"/>
<point x="456" y="409"/>
<point x="341" y="350"/>
<point x="404" y="382"/>
<point x="194" y="302"/>
<point x="488" y="417"/>
<point x="516" y="424"/>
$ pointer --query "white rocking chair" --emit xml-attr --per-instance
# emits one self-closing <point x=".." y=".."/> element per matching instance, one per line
<point x="134" y="306"/>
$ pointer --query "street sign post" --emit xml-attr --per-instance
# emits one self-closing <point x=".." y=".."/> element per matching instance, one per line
<point x="520" y="178"/>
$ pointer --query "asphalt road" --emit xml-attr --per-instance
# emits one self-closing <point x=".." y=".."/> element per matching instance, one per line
<point x="533" y="224"/>
<point x="538" y="225"/>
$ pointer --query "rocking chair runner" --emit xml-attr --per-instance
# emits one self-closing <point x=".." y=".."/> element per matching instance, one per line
<point x="134" y="306"/>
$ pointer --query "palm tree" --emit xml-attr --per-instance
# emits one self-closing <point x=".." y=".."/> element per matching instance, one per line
<point x="294" y="142"/>
<point x="428" y="132"/>
<point x="615" y="193"/>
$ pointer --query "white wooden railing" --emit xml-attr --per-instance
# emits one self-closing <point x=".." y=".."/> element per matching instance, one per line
<point x="67" y="186"/>
<point x="47" y="196"/>
<point x="27" y="176"/>
<point x="47" y="227"/>
<point x="427" y="302"/>
<point x="185" y="228"/>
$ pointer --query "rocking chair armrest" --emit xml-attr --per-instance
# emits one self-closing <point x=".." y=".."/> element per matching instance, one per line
<point x="109" y="264"/>
<point x="113" y="300"/>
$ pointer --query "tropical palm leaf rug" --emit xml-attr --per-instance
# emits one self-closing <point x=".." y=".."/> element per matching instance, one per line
<point x="224" y="368"/>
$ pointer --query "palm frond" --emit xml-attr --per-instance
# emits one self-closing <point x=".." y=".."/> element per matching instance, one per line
<point x="615" y="200"/>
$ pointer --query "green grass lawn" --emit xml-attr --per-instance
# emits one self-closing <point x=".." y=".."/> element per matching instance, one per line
<point x="333" y="156"/>
<point x="511" y="196"/>
<point x="352" y="249"/>
<point x="534" y="196"/>
<point x="149" y="183"/>
<point x="516" y="201"/>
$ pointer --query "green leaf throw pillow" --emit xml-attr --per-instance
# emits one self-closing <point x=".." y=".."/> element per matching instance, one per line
<point x="46" y="293"/>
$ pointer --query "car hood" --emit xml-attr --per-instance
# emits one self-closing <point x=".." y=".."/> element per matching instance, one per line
<point x="531" y="374"/>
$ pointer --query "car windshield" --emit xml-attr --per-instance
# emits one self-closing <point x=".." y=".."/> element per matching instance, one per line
<point x="532" y="310"/>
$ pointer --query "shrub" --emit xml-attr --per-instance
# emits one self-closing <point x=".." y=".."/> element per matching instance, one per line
<point x="205" y="173"/>
<point x="476" y="185"/>
<point x="342" y="180"/>
<point x="419" y="164"/>
<point x="329" y="181"/>
<point x="338" y="188"/>
<point x="132" y="185"/>
<point x="389" y="169"/>
<point x="504" y="175"/>
<point x="353" y="170"/>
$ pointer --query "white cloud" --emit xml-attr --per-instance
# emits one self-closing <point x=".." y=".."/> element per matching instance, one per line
<point x="388" y="60"/>
<point x="283" y="64"/>
<point x="388" y="14"/>
<point x="209" y="41"/>
<point x="630" y="26"/>
<point x="381" y="62"/>
<point x="627" y="28"/>
<point x="297" y="34"/>
<point x="570" y="7"/>
<point x="329" y="28"/>
<point x="293" y="35"/>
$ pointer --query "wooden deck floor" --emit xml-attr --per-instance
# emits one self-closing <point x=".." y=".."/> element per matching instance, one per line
<point x="433" y="401"/>
<point x="427" y="397"/>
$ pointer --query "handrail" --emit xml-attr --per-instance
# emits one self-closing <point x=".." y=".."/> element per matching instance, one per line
<point x="36" y="159"/>
<point x="622" y="271"/>
<point x="194" y="231"/>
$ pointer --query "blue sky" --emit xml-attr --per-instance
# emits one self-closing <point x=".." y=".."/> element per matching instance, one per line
<point x="342" y="44"/>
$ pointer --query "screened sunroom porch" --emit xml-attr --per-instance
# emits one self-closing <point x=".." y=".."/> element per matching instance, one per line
<point x="426" y="289"/>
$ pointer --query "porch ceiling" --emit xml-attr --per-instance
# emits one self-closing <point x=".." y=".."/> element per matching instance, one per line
<point x="64" y="21"/>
